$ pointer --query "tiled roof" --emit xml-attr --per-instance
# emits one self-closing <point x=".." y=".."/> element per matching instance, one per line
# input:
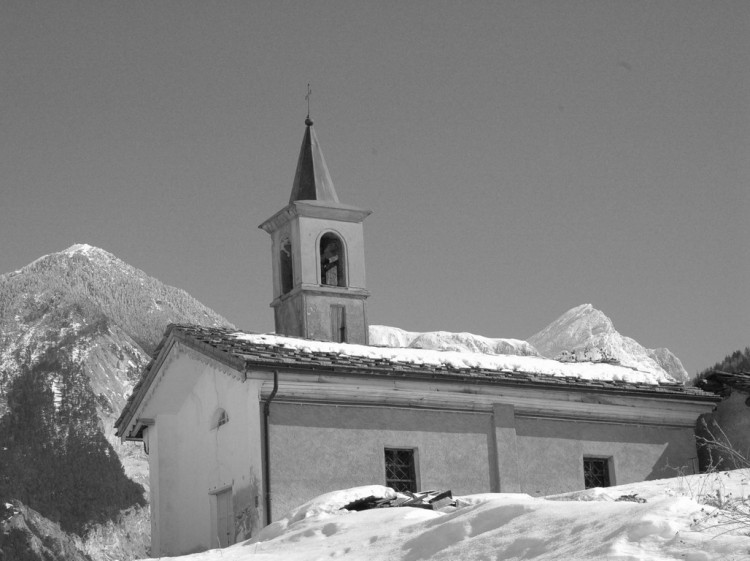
<point x="228" y="346"/>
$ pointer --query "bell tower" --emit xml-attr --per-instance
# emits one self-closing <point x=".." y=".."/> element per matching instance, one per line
<point x="319" y="289"/>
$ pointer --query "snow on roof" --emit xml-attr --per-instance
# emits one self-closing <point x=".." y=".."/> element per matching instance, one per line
<point x="454" y="360"/>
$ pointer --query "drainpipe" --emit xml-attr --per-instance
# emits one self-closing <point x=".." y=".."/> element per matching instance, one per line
<point x="266" y="446"/>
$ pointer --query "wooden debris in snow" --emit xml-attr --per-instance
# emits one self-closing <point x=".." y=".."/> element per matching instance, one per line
<point x="430" y="500"/>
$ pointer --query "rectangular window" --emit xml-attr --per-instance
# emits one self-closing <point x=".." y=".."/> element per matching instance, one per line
<point x="338" y="324"/>
<point x="400" y="471"/>
<point x="596" y="472"/>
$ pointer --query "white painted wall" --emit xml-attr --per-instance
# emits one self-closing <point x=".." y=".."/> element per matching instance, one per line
<point x="190" y="460"/>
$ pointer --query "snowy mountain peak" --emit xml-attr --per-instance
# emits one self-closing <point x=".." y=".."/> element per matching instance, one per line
<point x="575" y="327"/>
<point x="95" y="254"/>
<point x="582" y="334"/>
<point x="87" y="281"/>
<point x="585" y="334"/>
<point x="81" y="248"/>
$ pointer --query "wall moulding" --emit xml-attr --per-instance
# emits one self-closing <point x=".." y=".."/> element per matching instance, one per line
<point x="527" y="402"/>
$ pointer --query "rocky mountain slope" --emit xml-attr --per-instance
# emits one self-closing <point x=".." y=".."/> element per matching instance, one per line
<point x="585" y="334"/>
<point x="25" y="535"/>
<point x="76" y="329"/>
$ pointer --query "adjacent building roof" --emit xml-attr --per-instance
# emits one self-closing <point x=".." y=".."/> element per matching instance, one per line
<point x="247" y="351"/>
<point x="721" y="383"/>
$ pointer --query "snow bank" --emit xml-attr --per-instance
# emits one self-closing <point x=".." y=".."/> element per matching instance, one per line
<point x="588" y="525"/>
<point x="329" y="504"/>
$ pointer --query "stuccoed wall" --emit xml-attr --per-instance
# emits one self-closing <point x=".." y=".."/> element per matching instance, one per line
<point x="289" y="316"/>
<point x="190" y="459"/>
<point x="320" y="448"/>
<point x="318" y="310"/>
<point x="550" y="452"/>
<point x="314" y="311"/>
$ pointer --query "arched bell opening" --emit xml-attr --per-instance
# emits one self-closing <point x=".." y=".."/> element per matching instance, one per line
<point x="332" y="261"/>
<point x="285" y="266"/>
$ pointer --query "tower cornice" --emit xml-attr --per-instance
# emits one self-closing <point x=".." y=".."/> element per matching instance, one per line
<point x="315" y="209"/>
<point x="320" y="290"/>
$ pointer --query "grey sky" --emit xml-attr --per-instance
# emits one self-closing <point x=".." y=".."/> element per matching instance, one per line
<point x="520" y="158"/>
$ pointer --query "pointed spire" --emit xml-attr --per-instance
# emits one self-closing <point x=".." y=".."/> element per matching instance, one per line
<point x="312" y="180"/>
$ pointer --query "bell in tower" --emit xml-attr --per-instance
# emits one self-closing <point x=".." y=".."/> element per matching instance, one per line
<point x="319" y="289"/>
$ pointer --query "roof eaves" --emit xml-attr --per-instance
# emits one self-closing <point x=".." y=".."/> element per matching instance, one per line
<point x="480" y="376"/>
<point x="141" y="387"/>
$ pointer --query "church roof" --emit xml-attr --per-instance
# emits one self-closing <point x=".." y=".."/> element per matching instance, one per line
<point x="312" y="181"/>
<point x="245" y="351"/>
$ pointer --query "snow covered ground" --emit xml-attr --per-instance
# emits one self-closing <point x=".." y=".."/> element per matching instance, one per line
<point x="676" y="521"/>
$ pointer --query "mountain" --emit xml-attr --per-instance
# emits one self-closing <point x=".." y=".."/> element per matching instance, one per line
<point x="582" y="334"/>
<point x="585" y="334"/>
<point x="76" y="330"/>
<point x="384" y="336"/>
<point x="26" y="535"/>
<point x="90" y="306"/>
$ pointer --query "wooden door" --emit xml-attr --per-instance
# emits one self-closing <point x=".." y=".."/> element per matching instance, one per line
<point x="224" y="518"/>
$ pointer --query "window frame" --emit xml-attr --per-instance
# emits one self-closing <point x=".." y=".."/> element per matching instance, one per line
<point x="219" y="418"/>
<point x="412" y="469"/>
<point x="607" y="472"/>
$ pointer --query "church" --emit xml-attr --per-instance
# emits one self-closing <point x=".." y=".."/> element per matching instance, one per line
<point x="241" y="427"/>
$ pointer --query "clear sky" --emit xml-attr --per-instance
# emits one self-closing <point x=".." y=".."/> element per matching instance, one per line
<point x="520" y="158"/>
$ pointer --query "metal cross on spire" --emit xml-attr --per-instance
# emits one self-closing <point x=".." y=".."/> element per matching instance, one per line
<point x="308" y="122"/>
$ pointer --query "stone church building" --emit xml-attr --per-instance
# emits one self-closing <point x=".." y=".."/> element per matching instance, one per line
<point x="241" y="427"/>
